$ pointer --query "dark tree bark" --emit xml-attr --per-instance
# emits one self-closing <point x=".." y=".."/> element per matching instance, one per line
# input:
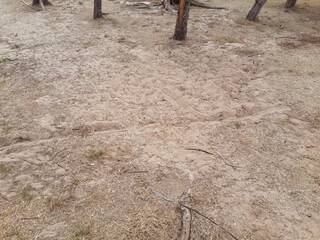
<point x="255" y="10"/>
<point x="180" y="32"/>
<point x="97" y="9"/>
<point x="290" y="3"/>
<point x="45" y="2"/>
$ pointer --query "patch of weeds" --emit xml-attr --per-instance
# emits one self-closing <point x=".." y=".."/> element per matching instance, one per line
<point x="2" y="81"/>
<point x="156" y="30"/>
<point x="26" y="193"/>
<point x="3" y="60"/>
<point x="83" y="133"/>
<point x="144" y="184"/>
<point x="75" y="182"/>
<point x="196" y="20"/>
<point x="13" y="232"/>
<point x="5" y="128"/>
<point x="96" y="154"/>
<point x="211" y="25"/>
<point x="238" y="125"/>
<point x="260" y="29"/>
<point x="122" y="39"/>
<point x="72" y="188"/>
<point x="122" y="170"/>
<point x="16" y="46"/>
<point x="83" y="231"/>
<point x="54" y="203"/>
<point x="159" y="178"/>
<point x="4" y="168"/>
<point x="242" y="22"/>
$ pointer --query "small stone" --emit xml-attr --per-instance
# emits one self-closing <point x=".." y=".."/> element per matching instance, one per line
<point x="61" y="171"/>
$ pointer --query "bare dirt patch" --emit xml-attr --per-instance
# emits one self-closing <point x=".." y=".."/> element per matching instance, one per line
<point x="94" y="115"/>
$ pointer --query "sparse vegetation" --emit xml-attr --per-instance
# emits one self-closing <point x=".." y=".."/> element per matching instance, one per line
<point x="96" y="154"/>
<point x="12" y="233"/>
<point x="144" y="184"/>
<point x="26" y="194"/>
<point x="83" y="231"/>
<point x="3" y="60"/>
<point x="96" y="115"/>
<point x="54" y="203"/>
<point x="238" y="125"/>
<point x="121" y="39"/>
<point x="16" y="46"/>
<point x="4" y="168"/>
<point x="5" y="128"/>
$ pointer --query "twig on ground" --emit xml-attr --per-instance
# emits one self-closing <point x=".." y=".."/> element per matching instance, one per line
<point x="4" y="197"/>
<point x="56" y="162"/>
<point x="138" y="172"/>
<point x="186" y="217"/>
<point x="29" y="218"/>
<point x="195" y="211"/>
<point x="218" y="225"/>
<point x="25" y="3"/>
<point x="216" y="153"/>
<point x="162" y="196"/>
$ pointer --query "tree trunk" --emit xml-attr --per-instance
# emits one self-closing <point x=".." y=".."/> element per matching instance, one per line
<point x="290" y="3"/>
<point x="97" y="9"/>
<point x="180" y="32"/>
<point x="45" y="2"/>
<point x="255" y="10"/>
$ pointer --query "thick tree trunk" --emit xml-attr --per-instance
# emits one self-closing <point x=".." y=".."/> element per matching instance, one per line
<point x="255" y="10"/>
<point x="180" y="32"/>
<point x="97" y="9"/>
<point x="45" y="2"/>
<point x="290" y="3"/>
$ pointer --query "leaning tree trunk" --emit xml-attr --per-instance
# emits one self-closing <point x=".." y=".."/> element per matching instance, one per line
<point x="290" y="3"/>
<point x="255" y="10"/>
<point x="45" y="2"/>
<point x="180" y="32"/>
<point x="97" y="9"/>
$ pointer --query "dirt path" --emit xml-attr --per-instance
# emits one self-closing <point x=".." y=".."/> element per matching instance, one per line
<point x="96" y="114"/>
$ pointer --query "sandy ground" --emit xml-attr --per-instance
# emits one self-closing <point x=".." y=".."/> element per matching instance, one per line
<point x="94" y="115"/>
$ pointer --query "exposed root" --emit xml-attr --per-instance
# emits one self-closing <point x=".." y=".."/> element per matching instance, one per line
<point x="202" y="5"/>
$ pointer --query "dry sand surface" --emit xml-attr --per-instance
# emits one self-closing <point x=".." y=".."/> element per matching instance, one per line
<point x="94" y="115"/>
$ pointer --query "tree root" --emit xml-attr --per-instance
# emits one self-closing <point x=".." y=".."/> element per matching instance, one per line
<point x="202" y="5"/>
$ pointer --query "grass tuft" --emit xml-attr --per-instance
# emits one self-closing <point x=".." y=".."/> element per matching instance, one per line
<point x="83" y="231"/>
<point x="96" y="154"/>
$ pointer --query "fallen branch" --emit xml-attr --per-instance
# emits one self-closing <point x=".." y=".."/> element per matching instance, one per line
<point x="186" y="217"/>
<point x="25" y="3"/>
<point x="4" y="197"/>
<point x="138" y="171"/>
<point x="162" y="196"/>
<point x="202" y="5"/>
<point x="195" y="211"/>
<point x="216" y="153"/>
<point x="218" y="225"/>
